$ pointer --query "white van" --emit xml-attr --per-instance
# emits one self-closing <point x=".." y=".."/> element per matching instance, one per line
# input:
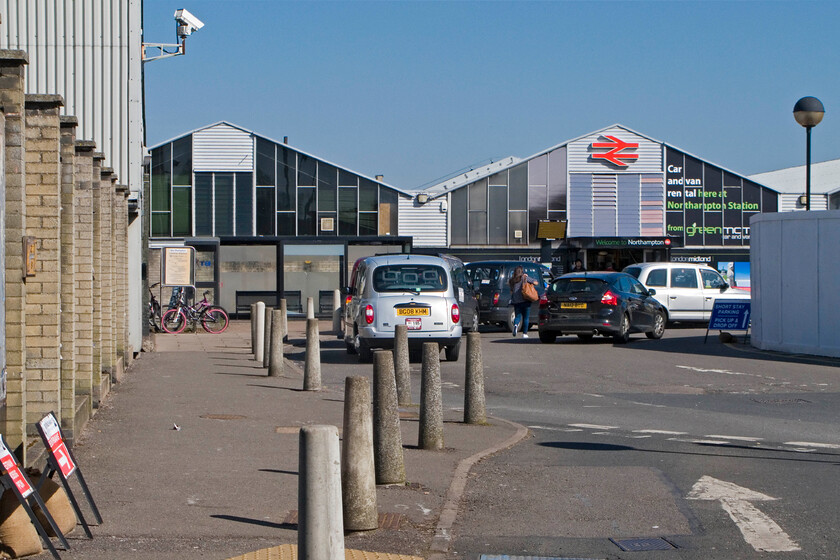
<point x="688" y="291"/>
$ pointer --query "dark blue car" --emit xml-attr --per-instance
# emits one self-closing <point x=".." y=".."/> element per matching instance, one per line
<point x="600" y="303"/>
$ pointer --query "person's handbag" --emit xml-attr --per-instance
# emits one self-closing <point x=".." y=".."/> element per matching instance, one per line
<point x="529" y="292"/>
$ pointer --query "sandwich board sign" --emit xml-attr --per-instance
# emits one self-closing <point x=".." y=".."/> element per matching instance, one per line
<point x="729" y="315"/>
<point x="60" y="460"/>
<point x="15" y="479"/>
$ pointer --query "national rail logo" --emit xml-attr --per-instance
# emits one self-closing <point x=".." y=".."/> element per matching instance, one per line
<point x="616" y="154"/>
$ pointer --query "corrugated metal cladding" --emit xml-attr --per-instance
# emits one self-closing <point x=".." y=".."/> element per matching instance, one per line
<point x="610" y="204"/>
<point x="87" y="51"/>
<point x="790" y="202"/>
<point x="425" y="223"/>
<point x="223" y="148"/>
<point x="649" y="152"/>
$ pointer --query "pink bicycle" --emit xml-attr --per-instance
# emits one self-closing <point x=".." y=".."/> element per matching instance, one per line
<point x="213" y="318"/>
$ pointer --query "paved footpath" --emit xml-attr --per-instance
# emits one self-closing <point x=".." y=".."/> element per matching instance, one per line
<point x="224" y="483"/>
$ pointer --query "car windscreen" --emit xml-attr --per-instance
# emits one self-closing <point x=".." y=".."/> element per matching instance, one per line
<point x="633" y="271"/>
<point x="410" y="277"/>
<point x="569" y="286"/>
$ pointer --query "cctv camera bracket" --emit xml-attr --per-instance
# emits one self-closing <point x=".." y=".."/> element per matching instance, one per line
<point x="185" y="24"/>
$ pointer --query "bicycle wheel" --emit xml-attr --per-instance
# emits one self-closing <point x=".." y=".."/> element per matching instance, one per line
<point x="173" y="321"/>
<point x="214" y="320"/>
<point x="154" y="316"/>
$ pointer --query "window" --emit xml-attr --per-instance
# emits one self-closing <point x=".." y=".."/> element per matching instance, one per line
<point x="683" y="278"/>
<point x="306" y="171"/>
<point x="182" y="161"/>
<point x="712" y="280"/>
<point x="244" y="203"/>
<point x="223" y="201"/>
<point x="401" y="277"/>
<point x="657" y="278"/>
<point x="204" y="204"/>
<point x="327" y="182"/>
<point x="286" y="171"/>
<point x="265" y="162"/>
<point x="347" y="211"/>
<point x="265" y="211"/>
<point x="636" y="287"/>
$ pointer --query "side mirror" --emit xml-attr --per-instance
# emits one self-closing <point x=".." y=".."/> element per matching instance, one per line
<point x="724" y="287"/>
<point x="651" y="292"/>
<point x="350" y="291"/>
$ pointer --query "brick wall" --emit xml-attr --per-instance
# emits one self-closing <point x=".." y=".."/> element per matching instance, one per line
<point x="43" y="297"/>
<point x="67" y="353"/>
<point x="84" y="273"/>
<point x="12" y="89"/>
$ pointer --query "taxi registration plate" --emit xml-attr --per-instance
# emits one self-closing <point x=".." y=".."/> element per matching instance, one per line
<point x="569" y="305"/>
<point x="412" y="311"/>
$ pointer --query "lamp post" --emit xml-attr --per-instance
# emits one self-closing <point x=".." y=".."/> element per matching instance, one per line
<point x="808" y="112"/>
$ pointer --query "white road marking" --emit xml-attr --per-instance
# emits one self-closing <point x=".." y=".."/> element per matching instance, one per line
<point x="725" y="371"/>
<point x="648" y="404"/>
<point x="760" y="532"/>
<point x="812" y="444"/>
<point x="555" y="429"/>
<point x="593" y="426"/>
<point x="661" y="432"/>
<point x="706" y="441"/>
<point x="735" y="438"/>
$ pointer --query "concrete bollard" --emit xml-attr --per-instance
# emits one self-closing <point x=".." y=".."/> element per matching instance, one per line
<point x="267" y="337"/>
<point x="431" y="406"/>
<point x="312" y="361"/>
<point x="387" y="438"/>
<point x="310" y="308"/>
<point x="320" y="524"/>
<point x="253" y="317"/>
<point x="276" y="363"/>
<point x="284" y="310"/>
<point x="358" y="476"/>
<point x="336" y="314"/>
<point x="474" y="412"/>
<point x="401" y="365"/>
<point x="260" y="331"/>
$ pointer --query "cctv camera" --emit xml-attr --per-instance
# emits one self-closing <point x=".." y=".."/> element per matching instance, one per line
<point x="187" y="23"/>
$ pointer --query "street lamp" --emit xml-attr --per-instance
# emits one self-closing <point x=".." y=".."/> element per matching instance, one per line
<point x="808" y="112"/>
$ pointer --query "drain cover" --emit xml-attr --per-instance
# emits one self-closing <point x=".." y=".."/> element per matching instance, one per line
<point x="639" y="545"/>
<point x="506" y="557"/>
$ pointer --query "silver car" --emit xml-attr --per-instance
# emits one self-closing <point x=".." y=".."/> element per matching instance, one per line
<point x="414" y="290"/>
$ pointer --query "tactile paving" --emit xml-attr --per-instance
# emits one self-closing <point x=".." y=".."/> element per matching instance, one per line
<point x="289" y="552"/>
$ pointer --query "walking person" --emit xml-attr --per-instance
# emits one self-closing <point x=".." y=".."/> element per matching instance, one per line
<point x="521" y="306"/>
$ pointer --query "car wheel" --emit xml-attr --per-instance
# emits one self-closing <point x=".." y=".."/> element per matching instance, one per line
<point x="452" y="352"/>
<point x="585" y="337"/>
<point x="350" y="348"/>
<point x="474" y="325"/>
<point x="509" y="323"/>
<point x="658" y="327"/>
<point x="623" y="334"/>
<point x="548" y="337"/>
<point x="363" y="350"/>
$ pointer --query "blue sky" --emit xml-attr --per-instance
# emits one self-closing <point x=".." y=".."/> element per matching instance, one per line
<point x="416" y="91"/>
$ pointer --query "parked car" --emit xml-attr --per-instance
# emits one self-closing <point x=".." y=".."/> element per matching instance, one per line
<point x="688" y="291"/>
<point x="490" y="280"/>
<point x="465" y="293"/>
<point x="604" y="303"/>
<point x="415" y="290"/>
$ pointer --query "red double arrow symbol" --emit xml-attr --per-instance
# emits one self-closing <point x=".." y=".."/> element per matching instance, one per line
<point x="615" y="147"/>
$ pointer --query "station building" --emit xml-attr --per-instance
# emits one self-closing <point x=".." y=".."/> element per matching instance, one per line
<point x="267" y="220"/>
<point x="622" y="197"/>
<point x="270" y="219"/>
